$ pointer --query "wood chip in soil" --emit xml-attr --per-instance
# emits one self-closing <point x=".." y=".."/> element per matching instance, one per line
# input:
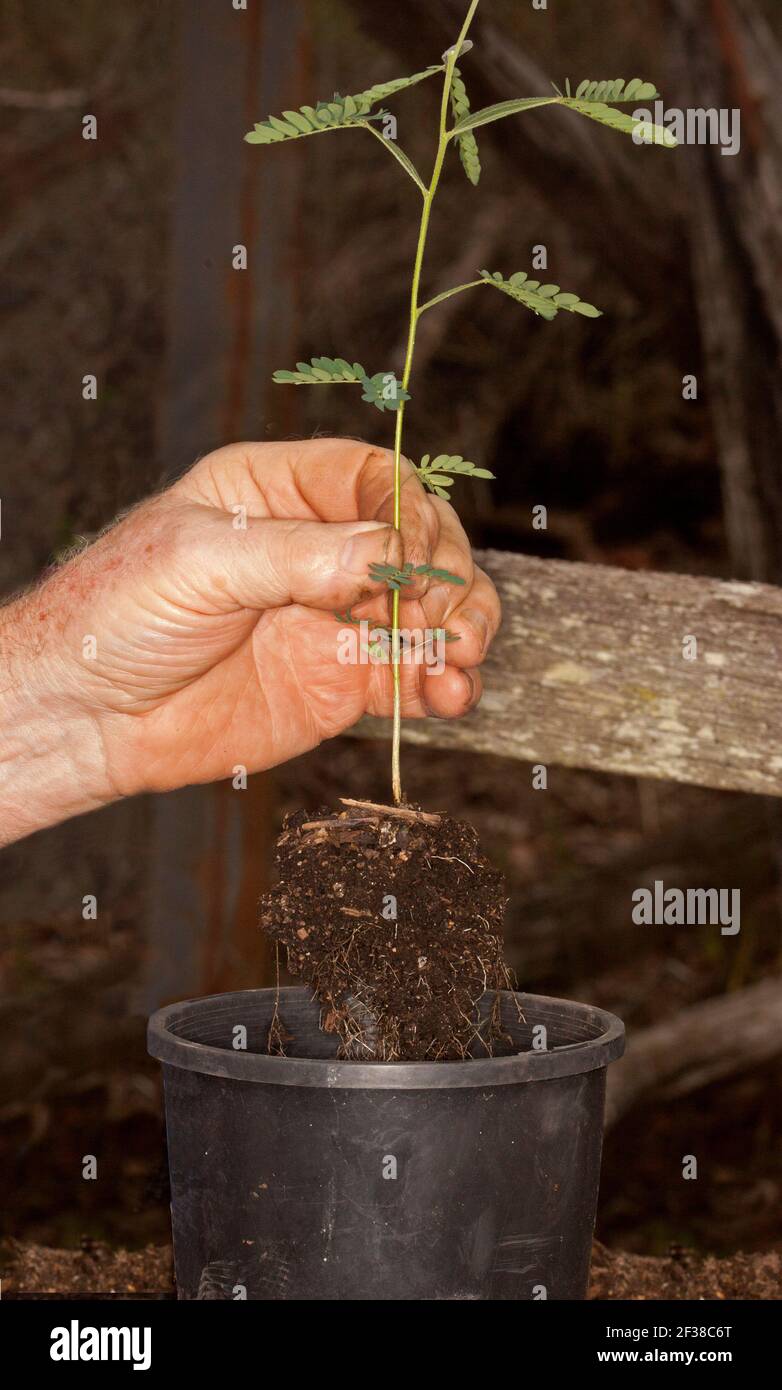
<point x="395" y="921"/>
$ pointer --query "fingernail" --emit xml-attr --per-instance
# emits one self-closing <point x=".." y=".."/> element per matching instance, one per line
<point x="470" y="683"/>
<point x="362" y="549"/>
<point x="479" y="624"/>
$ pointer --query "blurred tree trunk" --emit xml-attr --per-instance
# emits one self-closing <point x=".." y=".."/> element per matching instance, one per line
<point x="227" y="331"/>
<point x="727" y="56"/>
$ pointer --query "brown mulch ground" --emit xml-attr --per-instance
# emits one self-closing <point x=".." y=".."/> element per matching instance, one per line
<point x="615" y="1275"/>
<point x="683" y="1275"/>
<point x="93" y="1269"/>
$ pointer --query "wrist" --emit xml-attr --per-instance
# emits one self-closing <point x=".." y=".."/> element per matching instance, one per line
<point x="52" y="764"/>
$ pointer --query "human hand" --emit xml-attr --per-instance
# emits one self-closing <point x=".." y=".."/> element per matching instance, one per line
<point x="198" y="633"/>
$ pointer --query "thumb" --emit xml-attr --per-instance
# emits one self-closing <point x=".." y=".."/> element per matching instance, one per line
<point x="315" y="563"/>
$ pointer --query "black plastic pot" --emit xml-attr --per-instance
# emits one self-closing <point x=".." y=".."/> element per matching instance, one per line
<point x="301" y="1177"/>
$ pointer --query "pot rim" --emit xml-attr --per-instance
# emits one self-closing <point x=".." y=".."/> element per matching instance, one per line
<point x="571" y="1059"/>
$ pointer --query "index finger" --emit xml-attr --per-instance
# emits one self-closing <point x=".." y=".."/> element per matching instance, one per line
<point x="319" y="480"/>
<point x="333" y="474"/>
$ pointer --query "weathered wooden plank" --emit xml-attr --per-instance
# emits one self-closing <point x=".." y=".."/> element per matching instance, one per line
<point x="589" y="671"/>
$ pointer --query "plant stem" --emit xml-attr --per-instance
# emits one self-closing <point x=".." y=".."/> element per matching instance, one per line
<point x="399" y="155"/>
<point x="429" y="197"/>
<point x="448" y="294"/>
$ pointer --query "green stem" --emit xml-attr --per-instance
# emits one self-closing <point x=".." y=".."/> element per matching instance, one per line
<point x="448" y="294"/>
<point x="429" y="197"/>
<point x="399" y="156"/>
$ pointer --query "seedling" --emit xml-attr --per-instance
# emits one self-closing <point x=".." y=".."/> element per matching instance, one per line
<point x="457" y="126"/>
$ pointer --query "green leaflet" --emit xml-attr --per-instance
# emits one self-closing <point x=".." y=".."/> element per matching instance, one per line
<point x="398" y="579"/>
<point x="322" y="371"/>
<point x="384" y="391"/>
<point x="468" y="145"/>
<point x="433" y="472"/>
<point x="331" y="115"/>
<point x="444" y="576"/>
<point x="381" y="390"/>
<point x="636" y="90"/>
<point x="544" y="300"/>
<point x="383" y="90"/>
<point x="389" y="574"/>
<point x="470" y="157"/>
<point x="645" y="131"/>
<point x="342" y="111"/>
<point x="384" y="636"/>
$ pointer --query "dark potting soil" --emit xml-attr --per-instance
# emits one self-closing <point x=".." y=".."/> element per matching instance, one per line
<point x="395" y="919"/>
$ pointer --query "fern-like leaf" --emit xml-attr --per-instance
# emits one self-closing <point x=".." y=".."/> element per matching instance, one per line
<point x="331" y="115"/>
<point x="544" y="300"/>
<point x="382" y="91"/>
<point x="310" y="120"/>
<point x="434" y="473"/>
<point x="645" y="132"/>
<point x="431" y="572"/>
<point x="323" y="371"/>
<point x="398" y="579"/>
<point x="586" y="104"/>
<point x="382" y="390"/>
<point x="468" y="145"/>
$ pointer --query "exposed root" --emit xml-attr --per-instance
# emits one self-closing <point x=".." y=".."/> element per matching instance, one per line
<point x="277" y="1035"/>
<point x="394" y="920"/>
<point x="404" y="812"/>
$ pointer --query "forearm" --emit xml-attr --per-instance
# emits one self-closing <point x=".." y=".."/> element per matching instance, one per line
<point x="51" y="758"/>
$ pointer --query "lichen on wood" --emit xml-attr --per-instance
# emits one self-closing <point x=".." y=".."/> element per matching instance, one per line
<point x="589" y="671"/>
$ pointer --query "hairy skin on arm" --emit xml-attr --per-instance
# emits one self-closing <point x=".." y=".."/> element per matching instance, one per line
<point x="215" y="644"/>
